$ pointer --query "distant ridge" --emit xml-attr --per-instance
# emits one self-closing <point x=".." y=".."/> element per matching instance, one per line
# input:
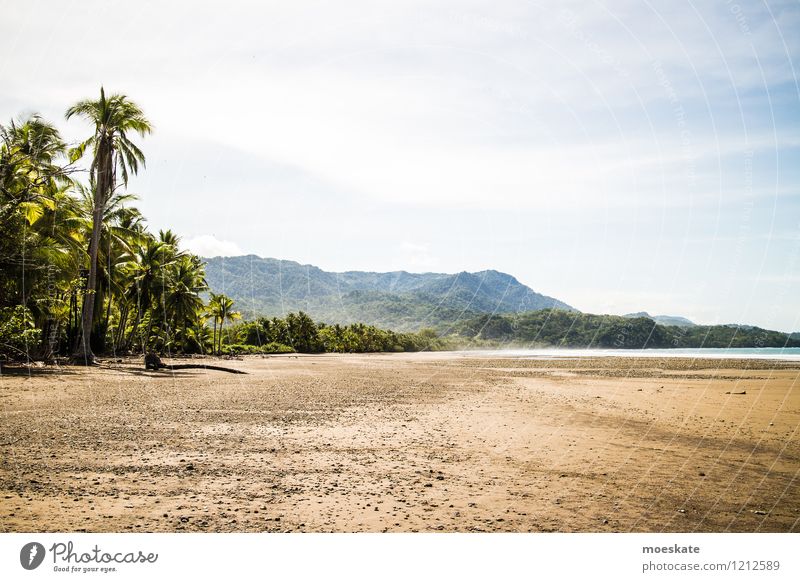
<point x="675" y="320"/>
<point x="397" y="300"/>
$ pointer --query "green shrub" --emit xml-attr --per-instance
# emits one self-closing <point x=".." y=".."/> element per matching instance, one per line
<point x="244" y="349"/>
<point x="18" y="334"/>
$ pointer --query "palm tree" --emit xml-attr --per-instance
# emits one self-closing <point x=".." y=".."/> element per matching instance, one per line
<point x="113" y="118"/>
<point x="145" y="283"/>
<point x="182" y="303"/>
<point x="220" y="307"/>
<point x="120" y="235"/>
<point x="39" y="251"/>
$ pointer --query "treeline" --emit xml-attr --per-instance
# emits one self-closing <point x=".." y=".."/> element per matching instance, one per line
<point x="79" y="271"/>
<point x="297" y="332"/>
<point x="558" y="328"/>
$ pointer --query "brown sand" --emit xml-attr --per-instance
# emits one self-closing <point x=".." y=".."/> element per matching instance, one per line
<point x="421" y="442"/>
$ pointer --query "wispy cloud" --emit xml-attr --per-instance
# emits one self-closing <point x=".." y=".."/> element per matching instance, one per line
<point x="578" y="129"/>
<point x="207" y="245"/>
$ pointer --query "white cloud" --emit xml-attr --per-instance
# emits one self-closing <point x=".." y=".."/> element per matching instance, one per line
<point x="207" y="245"/>
<point x="416" y="255"/>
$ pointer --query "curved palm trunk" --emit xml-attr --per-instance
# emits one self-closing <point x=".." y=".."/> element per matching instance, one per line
<point x="83" y="351"/>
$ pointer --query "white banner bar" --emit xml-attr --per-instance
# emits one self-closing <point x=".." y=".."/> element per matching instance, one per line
<point x="372" y="557"/>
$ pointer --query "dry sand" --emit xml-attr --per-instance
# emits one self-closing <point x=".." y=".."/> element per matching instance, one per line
<point x="442" y="442"/>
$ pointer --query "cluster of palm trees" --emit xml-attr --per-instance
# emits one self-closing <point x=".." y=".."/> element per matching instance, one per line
<point x="220" y="310"/>
<point x="77" y="262"/>
<point x="302" y="334"/>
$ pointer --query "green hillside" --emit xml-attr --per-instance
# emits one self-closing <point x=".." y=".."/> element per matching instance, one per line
<point x="554" y="327"/>
<point x="396" y="300"/>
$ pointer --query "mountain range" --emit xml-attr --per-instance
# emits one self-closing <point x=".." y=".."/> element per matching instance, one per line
<point x="395" y="300"/>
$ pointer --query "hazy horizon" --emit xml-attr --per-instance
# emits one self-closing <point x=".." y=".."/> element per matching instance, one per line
<point x="618" y="156"/>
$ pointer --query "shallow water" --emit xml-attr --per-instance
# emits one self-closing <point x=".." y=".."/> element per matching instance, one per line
<point x="790" y="354"/>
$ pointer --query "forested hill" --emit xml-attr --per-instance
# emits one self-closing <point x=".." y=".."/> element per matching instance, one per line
<point x="554" y="327"/>
<point x="397" y="300"/>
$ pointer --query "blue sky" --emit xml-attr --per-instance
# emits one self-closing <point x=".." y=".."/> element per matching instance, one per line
<point x="621" y="156"/>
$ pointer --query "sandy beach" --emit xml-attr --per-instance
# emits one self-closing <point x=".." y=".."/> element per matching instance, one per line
<point x="408" y="442"/>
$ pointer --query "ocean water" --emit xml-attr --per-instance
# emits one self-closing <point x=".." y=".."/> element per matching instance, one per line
<point x="790" y="354"/>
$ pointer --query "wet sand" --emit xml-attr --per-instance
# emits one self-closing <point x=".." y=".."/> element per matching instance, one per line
<point x="406" y="442"/>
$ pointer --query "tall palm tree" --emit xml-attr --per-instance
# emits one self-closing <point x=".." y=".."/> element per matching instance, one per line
<point x="119" y="237"/>
<point x="113" y="118"/>
<point x="220" y="307"/>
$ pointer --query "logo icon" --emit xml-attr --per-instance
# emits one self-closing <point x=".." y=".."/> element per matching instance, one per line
<point x="31" y="555"/>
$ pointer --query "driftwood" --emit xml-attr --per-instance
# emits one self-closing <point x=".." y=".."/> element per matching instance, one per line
<point x="153" y="362"/>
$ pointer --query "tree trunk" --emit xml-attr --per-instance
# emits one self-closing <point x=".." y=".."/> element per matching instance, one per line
<point x="108" y="304"/>
<point x="135" y="327"/>
<point x="82" y="353"/>
<point x="214" y="343"/>
<point x="123" y="322"/>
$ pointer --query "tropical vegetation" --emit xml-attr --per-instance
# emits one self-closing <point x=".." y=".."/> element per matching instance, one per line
<point x="81" y="274"/>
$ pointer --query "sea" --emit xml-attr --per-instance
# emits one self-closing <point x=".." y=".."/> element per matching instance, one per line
<point x="786" y="354"/>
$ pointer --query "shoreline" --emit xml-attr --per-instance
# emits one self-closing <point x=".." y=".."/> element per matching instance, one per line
<point x="692" y="353"/>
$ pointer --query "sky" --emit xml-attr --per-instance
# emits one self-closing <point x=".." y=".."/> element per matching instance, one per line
<point x="621" y="156"/>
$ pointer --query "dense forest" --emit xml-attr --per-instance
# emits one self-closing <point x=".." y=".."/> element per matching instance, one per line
<point x="558" y="328"/>
<point x="297" y="332"/>
<point x="81" y="274"/>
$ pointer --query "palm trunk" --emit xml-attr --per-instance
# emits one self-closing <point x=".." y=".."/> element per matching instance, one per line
<point x="83" y="351"/>
<point x="135" y="327"/>
<point x="110" y="298"/>
<point x="123" y="321"/>
<point x="214" y="342"/>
